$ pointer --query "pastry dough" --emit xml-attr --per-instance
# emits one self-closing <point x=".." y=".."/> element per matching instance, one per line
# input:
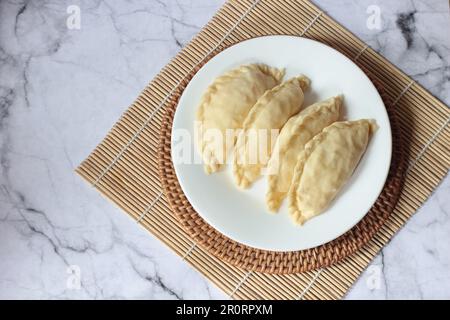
<point x="325" y="165"/>
<point x="297" y="131"/>
<point x="271" y="111"/>
<point x="225" y="104"/>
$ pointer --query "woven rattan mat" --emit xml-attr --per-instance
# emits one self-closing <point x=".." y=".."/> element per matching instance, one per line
<point x="253" y="259"/>
<point x="124" y="167"/>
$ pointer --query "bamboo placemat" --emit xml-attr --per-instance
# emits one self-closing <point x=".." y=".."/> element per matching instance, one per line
<point x="124" y="166"/>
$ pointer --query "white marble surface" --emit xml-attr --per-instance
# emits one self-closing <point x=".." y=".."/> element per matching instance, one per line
<point x="56" y="83"/>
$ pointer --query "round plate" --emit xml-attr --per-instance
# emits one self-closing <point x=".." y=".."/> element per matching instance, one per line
<point x="242" y="214"/>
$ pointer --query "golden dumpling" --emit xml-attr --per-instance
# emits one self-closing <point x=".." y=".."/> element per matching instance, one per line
<point x="224" y="106"/>
<point x="325" y="165"/>
<point x="265" y="119"/>
<point x="292" y="139"/>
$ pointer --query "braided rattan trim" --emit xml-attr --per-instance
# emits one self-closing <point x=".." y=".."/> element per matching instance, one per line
<point x="268" y="261"/>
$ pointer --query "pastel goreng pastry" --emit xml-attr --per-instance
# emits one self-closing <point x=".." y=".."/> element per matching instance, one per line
<point x="325" y="165"/>
<point x="271" y="111"/>
<point x="297" y="131"/>
<point x="225" y="105"/>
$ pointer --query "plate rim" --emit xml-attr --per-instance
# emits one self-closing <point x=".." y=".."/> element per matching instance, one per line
<point x="294" y="38"/>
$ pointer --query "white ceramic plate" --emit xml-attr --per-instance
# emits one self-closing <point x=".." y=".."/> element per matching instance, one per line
<point x="242" y="215"/>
